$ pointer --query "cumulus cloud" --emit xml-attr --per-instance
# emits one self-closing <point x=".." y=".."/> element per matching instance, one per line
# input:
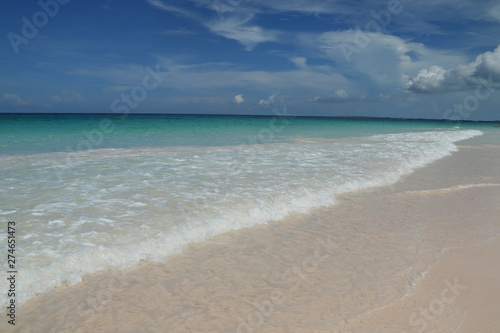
<point x="376" y="61"/>
<point x="462" y="77"/>
<point x="381" y="59"/>
<point x="270" y="100"/>
<point x="427" y="79"/>
<point x="16" y="100"/>
<point x="238" y="99"/>
<point x="341" y="94"/>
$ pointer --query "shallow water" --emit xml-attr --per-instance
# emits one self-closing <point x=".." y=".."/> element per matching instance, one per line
<point x="325" y="271"/>
<point x="155" y="184"/>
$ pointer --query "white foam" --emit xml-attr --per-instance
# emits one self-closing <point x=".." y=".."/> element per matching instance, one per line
<point x="119" y="206"/>
<point x="450" y="189"/>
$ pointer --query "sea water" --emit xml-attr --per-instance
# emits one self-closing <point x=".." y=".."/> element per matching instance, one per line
<point x="93" y="193"/>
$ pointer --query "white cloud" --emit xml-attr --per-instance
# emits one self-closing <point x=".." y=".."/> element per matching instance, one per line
<point x="225" y="7"/>
<point x="160" y="5"/>
<point x="16" y="100"/>
<point x="233" y="25"/>
<point x="380" y="58"/>
<point x="68" y="96"/>
<point x="461" y="77"/>
<point x="238" y="99"/>
<point x="417" y="16"/>
<point x="377" y="62"/>
<point x="311" y="6"/>
<point x="237" y="28"/>
<point x="300" y="62"/>
<point x="213" y="80"/>
<point x="494" y="13"/>
<point x="340" y="93"/>
<point x="427" y="79"/>
<point x="270" y="100"/>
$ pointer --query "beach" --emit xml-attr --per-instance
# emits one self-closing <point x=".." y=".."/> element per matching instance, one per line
<point x="416" y="256"/>
<point x="229" y="166"/>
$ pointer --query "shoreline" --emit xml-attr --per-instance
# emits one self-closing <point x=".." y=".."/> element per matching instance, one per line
<point x="462" y="121"/>
<point x="307" y="272"/>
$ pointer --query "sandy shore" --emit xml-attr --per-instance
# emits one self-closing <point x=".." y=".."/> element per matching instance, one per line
<point x="459" y="293"/>
<point x="355" y="267"/>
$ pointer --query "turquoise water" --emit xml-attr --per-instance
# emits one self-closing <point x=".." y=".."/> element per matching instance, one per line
<point x="97" y="192"/>
<point x="35" y="133"/>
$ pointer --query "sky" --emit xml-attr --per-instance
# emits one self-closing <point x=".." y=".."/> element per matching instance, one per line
<point x="376" y="58"/>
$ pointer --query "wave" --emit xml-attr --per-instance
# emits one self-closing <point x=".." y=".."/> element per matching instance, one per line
<point x="117" y="207"/>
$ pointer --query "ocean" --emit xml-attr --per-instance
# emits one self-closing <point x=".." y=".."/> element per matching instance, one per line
<point x="92" y="193"/>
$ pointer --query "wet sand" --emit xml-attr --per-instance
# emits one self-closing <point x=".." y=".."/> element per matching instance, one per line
<point x="418" y="256"/>
<point x="460" y="293"/>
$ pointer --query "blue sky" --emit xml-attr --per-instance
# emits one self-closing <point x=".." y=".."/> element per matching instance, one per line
<point x="410" y="59"/>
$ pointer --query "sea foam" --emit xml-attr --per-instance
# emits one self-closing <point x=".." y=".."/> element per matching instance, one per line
<point x="115" y="207"/>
